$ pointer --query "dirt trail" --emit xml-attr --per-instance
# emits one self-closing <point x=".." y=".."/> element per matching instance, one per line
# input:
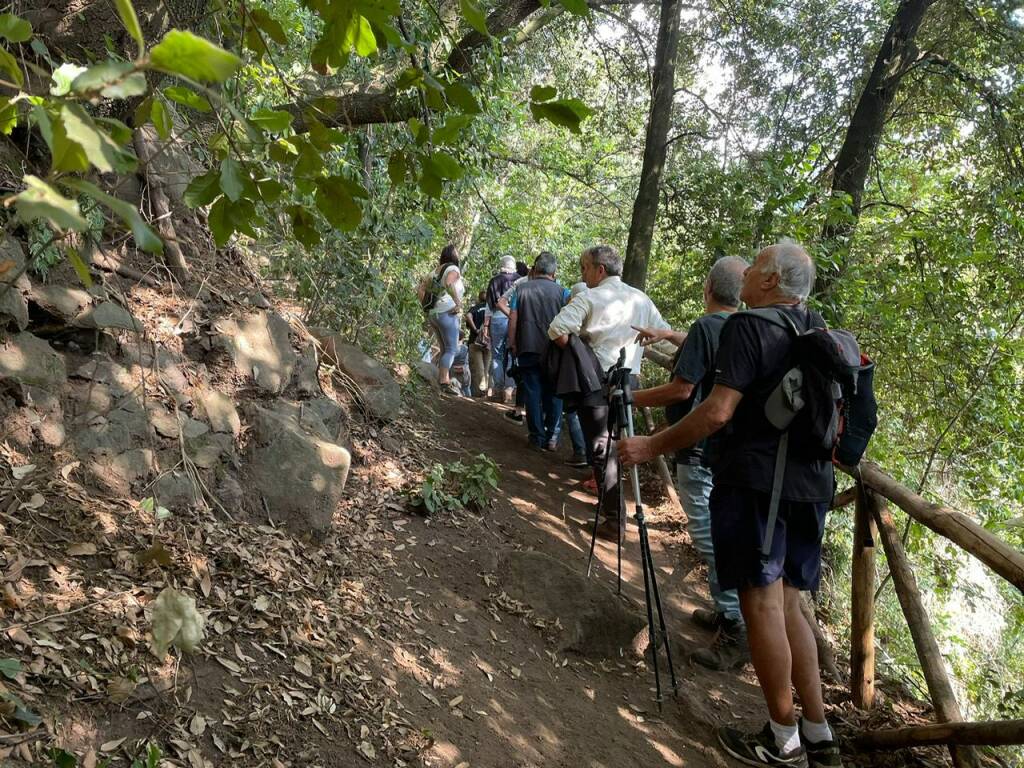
<point x="518" y="702"/>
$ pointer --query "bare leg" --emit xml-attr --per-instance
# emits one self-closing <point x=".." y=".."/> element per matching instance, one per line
<point x="806" y="674"/>
<point x="764" y="612"/>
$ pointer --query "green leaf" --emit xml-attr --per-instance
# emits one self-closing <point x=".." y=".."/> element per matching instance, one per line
<point x="304" y="226"/>
<point x="268" y="25"/>
<point x="65" y="155"/>
<point x="575" y="7"/>
<point x="81" y="268"/>
<point x="10" y="668"/>
<point x="142" y="112"/>
<point x="543" y="92"/>
<point x="429" y="182"/>
<point x="161" y="117"/>
<point x="187" y="98"/>
<point x="270" y="190"/>
<point x="410" y="77"/>
<point x="182" y="53"/>
<point x="119" y="132"/>
<point x="359" y="36"/>
<point x="397" y="167"/>
<point x="8" y="116"/>
<point x="227" y="217"/>
<point x="63" y="76"/>
<point x="145" y="237"/>
<point x="231" y="180"/>
<point x="113" y="79"/>
<point x="283" y="151"/>
<point x="335" y="201"/>
<point x="461" y="97"/>
<point x="445" y="166"/>
<point x="475" y="16"/>
<point x="203" y="190"/>
<point x="126" y="11"/>
<point x="14" y="28"/>
<point x="568" y="113"/>
<point x="10" y="65"/>
<point x="273" y="120"/>
<point x="41" y="201"/>
<point x="453" y="126"/>
<point x="61" y="758"/>
<point x="324" y="138"/>
<point x="102" y="151"/>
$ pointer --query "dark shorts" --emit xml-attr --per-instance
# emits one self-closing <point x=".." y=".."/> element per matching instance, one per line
<point x="739" y="517"/>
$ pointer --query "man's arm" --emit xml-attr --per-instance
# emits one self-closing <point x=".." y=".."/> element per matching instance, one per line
<point x="569" y="320"/>
<point x="650" y="336"/>
<point x="675" y="391"/>
<point x="503" y="306"/>
<point x="706" y="419"/>
<point x="513" y="321"/>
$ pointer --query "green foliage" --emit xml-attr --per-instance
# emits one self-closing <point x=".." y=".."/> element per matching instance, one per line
<point x="451" y="488"/>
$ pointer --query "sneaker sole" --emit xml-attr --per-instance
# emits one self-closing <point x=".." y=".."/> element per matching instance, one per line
<point x="748" y="761"/>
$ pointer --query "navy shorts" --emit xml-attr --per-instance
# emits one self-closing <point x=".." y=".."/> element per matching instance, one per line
<point x="739" y="517"/>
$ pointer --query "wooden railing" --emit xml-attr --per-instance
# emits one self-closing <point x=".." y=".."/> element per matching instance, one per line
<point x="873" y="522"/>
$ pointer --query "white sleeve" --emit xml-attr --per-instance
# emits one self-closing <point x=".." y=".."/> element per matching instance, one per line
<point x="571" y="317"/>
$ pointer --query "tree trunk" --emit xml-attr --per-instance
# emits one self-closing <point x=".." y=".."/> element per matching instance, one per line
<point x="645" y="208"/>
<point x="895" y="58"/>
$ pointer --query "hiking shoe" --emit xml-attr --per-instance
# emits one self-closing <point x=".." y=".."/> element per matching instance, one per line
<point x="759" y="748"/>
<point x="729" y="650"/>
<point x="551" y="445"/>
<point x="578" y="460"/>
<point x="821" y="754"/>
<point x="610" y="530"/>
<point x="590" y="485"/>
<point x="513" y="416"/>
<point x="707" y="618"/>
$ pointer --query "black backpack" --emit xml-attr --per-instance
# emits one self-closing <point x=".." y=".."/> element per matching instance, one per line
<point x="434" y="289"/>
<point x="827" y="398"/>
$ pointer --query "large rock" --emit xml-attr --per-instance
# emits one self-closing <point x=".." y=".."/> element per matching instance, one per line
<point x="177" y="491"/>
<point x="220" y="411"/>
<point x="108" y="315"/>
<point x="594" y="621"/>
<point x="378" y="390"/>
<point x="306" y="380"/>
<point x="30" y="361"/>
<point x="260" y="347"/>
<point x="300" y="474"/>
<point x="13" y="286"/>
<point x="60" y="301"/>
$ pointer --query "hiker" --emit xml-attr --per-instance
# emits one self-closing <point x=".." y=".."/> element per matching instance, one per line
<point x="495" y="326"/>
<point x="533" y="305"/>
<point x="580" y="458"/>
<point x="479" y="351"/>
<point x="753" y="356"/>
<point x="603" y="317"/>
<point x="692" y="380"/>
<point x="460" y="368"/>
<point x="518" y="412"/>
<point x="441" y="296"/>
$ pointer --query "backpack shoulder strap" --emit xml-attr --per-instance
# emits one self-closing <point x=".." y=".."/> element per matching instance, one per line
<point x="772" y="315"/>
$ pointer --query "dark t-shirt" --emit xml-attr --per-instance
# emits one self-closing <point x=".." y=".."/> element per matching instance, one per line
<point x="753" y="356"/>
<point x="477" y="313"/>
<point x="695" y="363"/>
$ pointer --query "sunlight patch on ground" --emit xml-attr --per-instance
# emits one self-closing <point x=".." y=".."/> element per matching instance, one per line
<point x="667" y="754"/>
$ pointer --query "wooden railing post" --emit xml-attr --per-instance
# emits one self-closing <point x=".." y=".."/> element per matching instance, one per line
<point x="943" y="698"/>
<point x="862" y="622"/>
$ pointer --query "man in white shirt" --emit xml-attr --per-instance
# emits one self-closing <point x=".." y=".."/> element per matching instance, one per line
<point x="604" y="317"/>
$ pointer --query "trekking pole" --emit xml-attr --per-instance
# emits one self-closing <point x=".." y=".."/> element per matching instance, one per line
<point x="647" y="562"/>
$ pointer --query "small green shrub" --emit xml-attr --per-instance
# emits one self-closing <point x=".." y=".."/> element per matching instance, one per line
<point x="453" y="487"/>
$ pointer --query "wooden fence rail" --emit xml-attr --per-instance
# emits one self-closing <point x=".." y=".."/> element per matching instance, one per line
<point x="873" y="522"/>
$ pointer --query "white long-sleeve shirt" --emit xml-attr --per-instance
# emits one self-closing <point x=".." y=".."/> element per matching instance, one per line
<point x="603" y="317"/>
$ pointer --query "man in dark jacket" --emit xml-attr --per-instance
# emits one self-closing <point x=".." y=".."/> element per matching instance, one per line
<point x="753" y="356"/>
<point x="533" y="305"/>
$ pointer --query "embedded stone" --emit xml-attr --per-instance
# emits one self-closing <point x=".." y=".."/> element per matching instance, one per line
<point x="260" y="347"/>
<point x="107" y="315"/>
<point x="378" y="390"/>
<point x="31" y="361"/>
<point x="220" y="412"/>
<point x="60" y="301"/>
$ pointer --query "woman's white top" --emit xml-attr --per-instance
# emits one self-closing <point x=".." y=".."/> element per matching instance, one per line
<point x="445" y="302"/>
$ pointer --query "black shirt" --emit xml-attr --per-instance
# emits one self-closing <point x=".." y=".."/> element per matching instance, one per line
<point x="477" y="313"/>
<point x="695" y="363"/>
<point x="753" y="356"/>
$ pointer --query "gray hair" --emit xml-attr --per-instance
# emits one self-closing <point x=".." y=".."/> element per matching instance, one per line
<point x="546" y="264"/>
<point x="794" y="267"/>
<point x="605" y="256"/>
<point x="726" y="279"/>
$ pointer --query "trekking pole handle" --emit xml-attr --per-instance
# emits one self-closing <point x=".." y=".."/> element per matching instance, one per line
<point x="634" y="471"/>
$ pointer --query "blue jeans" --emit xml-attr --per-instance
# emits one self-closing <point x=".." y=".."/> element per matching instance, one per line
<point x="579" y="444"/>
<point x="693" y="483"/>
<point x="543" y="409"/>
<point x="447" y="327"/>
<point x="499" y="343"/>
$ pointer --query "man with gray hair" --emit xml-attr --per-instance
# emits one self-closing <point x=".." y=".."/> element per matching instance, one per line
<point x="603" y="317"/>
<point x="532" y="306"/>
<point x="693" y="377"/>
<point x="753" y="357"/>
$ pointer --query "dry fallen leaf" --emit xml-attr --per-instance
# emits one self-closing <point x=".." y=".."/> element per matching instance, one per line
<point x="6" y="266"/>
<point x="110" y="746"/>
<point x="455" y="702"/>
<point x="81" y="549"/>
<point x="23" y="471"/>
<point x="303" y="666"/>
<point x="198" y="725"/>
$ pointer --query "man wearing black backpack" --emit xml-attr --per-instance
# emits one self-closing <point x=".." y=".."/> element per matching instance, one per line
<point x="754" y="356"/>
